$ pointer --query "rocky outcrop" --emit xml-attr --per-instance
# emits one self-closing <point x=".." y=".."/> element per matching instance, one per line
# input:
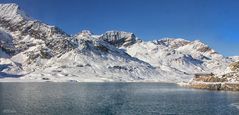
<point x="209" y="86"/>
<point x="172" y="43"/>
<point x="234" y="66"/>
<point x="228" y="81"/>
<point x="208" y="78"/>
<point x="119" y="38"/>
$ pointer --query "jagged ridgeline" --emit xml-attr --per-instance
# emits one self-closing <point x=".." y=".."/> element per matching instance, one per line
<point x="42" y="51"/>
<point x="39" y="51"/>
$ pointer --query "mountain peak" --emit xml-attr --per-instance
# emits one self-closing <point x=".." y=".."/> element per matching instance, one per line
<point x="197" y="46"/>
<point x="12" y="11"/>
<point x="172" y="42"/>
<point x="119" y="38"/>
<point x="84" y="34"/>
<point x="10" y="5"/>
<point x="200" y="45"/>
<point x="26" y="31"/>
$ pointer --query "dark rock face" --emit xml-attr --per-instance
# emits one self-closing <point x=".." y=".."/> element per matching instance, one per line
<point x="102" y="48"/>
<point x="6" y="43"/>
<point x="118" y="38"/>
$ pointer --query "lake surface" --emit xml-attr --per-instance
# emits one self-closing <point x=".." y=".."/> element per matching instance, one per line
<point x="113" y="98"/>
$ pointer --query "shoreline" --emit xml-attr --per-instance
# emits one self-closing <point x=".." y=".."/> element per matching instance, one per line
<point x="212" y="86"/>
<point x="19" y="80"/>
<point x="217" y="86"/>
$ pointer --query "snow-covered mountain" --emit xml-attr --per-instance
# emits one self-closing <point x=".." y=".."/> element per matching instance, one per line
<point x="41" y="51"/>
<point x="189" y="57"/>
<point x="33" y="50"/>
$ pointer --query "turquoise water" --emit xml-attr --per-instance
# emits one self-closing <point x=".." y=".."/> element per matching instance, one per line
<point x="113" y="98"/>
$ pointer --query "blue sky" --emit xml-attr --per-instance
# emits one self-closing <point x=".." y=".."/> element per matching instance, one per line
<point x="215" y="22"/>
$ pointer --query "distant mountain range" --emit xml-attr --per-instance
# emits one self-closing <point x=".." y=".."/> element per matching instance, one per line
<point x="33" y="50"/>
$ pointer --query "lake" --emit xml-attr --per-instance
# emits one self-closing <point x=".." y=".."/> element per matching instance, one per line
<point x="114" y="98"/>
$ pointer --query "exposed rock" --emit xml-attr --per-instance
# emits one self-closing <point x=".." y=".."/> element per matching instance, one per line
<point x="102" y="48"/>
<point x="201" y="47"/>
<point x="44" y="78"/>
<point x="208" y="78"/>
<point x="231" y="77"/>
<point x="228" y="81"/>
<point x="119" y="38"/>
<point x="215" y="86"/>
<point x="230" y="86"/>
<point x="234" y="66"/>
<point x="212" y="86"/>
<point x="172" y="43"/>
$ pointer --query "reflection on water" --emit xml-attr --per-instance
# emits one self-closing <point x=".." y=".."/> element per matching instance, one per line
<point x="113" y="98"/>
<point x="235" y="105"/>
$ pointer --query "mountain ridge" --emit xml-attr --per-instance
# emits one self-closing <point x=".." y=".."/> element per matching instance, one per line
<point x="38" y="51"/>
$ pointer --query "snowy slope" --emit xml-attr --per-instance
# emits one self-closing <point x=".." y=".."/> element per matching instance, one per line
<point x="189" y="57"/>
<point x="96" y="60"/>
<point x="7" y="66"/>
